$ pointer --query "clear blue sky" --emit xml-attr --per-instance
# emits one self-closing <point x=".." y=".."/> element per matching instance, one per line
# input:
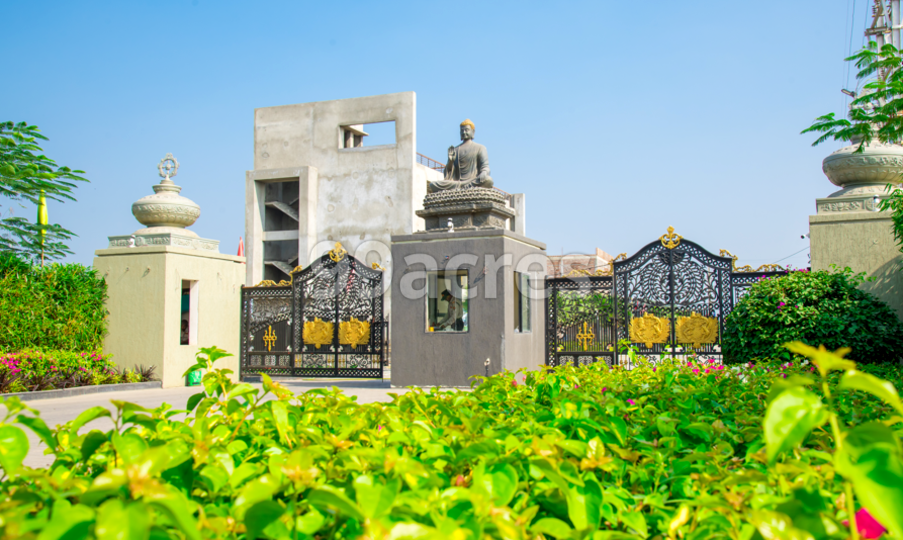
<point x="616" y="119"/>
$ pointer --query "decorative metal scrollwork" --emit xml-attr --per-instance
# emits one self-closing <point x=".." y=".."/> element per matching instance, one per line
<point x="747" y="268"/>
<point x="271" y="283"/>
<point x="697" y="329"/>
<point x="318" y="332"/>
<point x="650" y="329"/>
<point x="354" y="332"/>
<point x="671" y="240"/>
<point x="269" y="338"/>
<point x="586" y="335"/>
<point x="338" y="253"/>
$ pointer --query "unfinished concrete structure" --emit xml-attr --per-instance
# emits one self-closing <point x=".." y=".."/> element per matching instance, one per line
<point x="316" y="182"/>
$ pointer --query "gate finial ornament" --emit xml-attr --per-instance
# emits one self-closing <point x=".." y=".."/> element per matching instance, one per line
<point x="338" y="253"/>
<point x="671" y="240"/>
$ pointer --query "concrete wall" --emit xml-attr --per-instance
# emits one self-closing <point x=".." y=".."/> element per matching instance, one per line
<point x="361" y="194"/>
<point x="864" y="241"/>
<point x="423" y="358"/>
<point x="145" y="288"/>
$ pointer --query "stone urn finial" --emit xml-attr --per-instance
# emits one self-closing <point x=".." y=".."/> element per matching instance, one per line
<point x="166" y="208"/>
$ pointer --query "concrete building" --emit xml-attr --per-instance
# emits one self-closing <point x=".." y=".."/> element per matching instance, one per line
<point x="316" y="181"/>
<point x="170" y="292"/>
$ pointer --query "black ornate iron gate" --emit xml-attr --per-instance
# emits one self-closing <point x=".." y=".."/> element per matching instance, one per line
<point x="670" y="297"/>
<point x="326" y="322"/>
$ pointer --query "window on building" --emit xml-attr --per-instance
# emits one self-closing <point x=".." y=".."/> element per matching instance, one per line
<point x="188" y="333"/>
<point x="522" y="315"/>
<point x="447" y="308"/>
<point x="379" y="133"/>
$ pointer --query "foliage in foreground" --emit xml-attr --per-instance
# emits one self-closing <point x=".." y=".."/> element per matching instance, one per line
<point x="812" y="307"/>
<point x="57" y="307"/>
<point x="24" y="174"/>
<point x="31" y="371"/>
<point x="670" y="451"/>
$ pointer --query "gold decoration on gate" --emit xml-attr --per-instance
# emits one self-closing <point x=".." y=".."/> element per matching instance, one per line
<point x="271" y="283"/>
<point x="697" y="329"/>
<point x="671" y="240"/>
<point x="269" y="338"/>
<point x="354" y="332"/>
<point x="606" y="271"/>
<point x="338" y="253"/>
<point x="649" y="329"/>
<point x="747" y="268"/>
<point x="586" y="335"/>
<point x="377" y="266"/>
<point x="317" y="332"/>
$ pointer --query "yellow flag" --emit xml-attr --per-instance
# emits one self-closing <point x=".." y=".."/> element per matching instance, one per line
<point x="42" y="215"/>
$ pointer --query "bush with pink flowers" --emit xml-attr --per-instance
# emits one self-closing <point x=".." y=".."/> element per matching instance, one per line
<point x="47" y="370"/>
<point x="822" y="307"/>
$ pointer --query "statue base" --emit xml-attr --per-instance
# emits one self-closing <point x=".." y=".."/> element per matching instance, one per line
<point x="469" y="210"/>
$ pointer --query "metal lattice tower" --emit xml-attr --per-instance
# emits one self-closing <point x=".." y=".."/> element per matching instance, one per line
<point x="885" y="23"/>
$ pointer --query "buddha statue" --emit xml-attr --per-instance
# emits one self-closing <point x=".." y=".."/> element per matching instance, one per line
<point x="468" y="164"/>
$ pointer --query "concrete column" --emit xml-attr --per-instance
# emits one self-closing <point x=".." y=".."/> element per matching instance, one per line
<point x="254" y="212"/>
<point x="308" y="192"/>
<point x="864" y="241"/>
<point x="519" y="222"/>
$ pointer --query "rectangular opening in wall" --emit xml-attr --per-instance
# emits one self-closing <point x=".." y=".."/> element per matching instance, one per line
<point x="281" y="202"/>
<point x="447" y="304"/>
<point x="522" y="315"/>
<point x="188" y="320"/>
<point x="363" y="135"/>
<point x="279" y="258"/>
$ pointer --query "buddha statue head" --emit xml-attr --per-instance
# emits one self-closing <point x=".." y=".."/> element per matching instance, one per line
<point x="467" y="129"/>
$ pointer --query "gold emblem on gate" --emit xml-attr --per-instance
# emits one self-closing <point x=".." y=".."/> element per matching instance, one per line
<point x="338" y="253"/>
<point x="697" y="329"/>
<point x="649" y="329"/>
<point x="269" y="338"/>
<point x="317" y="332"/>
<point x="354" y="332"/>
<point x="671" y="240"/>
<point x="585" y="335"/>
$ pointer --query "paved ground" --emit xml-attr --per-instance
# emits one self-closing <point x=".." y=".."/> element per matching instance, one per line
<point x="60" y="411"/>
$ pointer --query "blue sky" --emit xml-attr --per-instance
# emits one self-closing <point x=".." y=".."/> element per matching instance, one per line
<point x="616" y="119"/>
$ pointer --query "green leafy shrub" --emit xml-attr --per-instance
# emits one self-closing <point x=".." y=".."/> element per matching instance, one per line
<point x="824" y="308"/>
<point x="48" y="370"/>
<point x="666" y="451"/>
<point x="57" y="307"/>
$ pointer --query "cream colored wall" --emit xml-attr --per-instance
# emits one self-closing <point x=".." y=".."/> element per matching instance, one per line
<point x="864" y="241"/>
<point x="144" y="288"/>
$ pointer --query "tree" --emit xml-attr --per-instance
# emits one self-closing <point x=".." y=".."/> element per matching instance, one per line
<point x="24" y="173"/>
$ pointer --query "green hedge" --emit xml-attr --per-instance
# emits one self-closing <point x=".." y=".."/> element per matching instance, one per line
<point x="672" y="451"/>
<point x="823" y="308"/>
<point x="59" y="306"/>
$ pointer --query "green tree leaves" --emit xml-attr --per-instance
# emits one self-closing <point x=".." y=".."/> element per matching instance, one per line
<point x="870" y="458"/>
<point x="790" y="417"/>
<point x="13" y="448"/>
<point x="24" y="173"/>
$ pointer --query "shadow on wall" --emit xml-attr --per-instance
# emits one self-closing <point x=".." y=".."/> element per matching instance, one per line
<point x="888" y="285"/>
